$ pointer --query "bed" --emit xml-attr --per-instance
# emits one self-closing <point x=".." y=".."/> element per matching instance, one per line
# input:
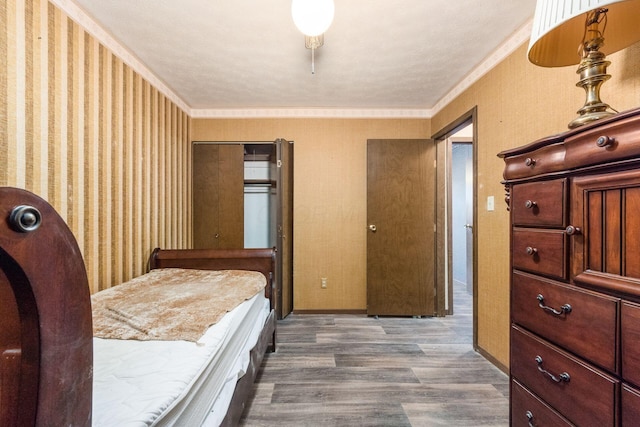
<point x="52" y="365"/>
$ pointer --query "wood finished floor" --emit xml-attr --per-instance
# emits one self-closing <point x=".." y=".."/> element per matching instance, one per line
<point x="354" y="370"/>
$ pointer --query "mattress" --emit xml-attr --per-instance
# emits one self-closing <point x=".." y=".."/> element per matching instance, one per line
<point x="167" y="383"/>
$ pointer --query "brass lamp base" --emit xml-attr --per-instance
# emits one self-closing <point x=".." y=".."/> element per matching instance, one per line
<point x="593" y="70"/>
<point x="593" y="73"/>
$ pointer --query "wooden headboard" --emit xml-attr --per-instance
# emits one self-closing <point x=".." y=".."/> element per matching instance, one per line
<point x="262" y="260"/>
<point x="46" y="330"/>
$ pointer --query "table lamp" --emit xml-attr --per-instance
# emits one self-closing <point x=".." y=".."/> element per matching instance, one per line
<point x="569" y="32"/>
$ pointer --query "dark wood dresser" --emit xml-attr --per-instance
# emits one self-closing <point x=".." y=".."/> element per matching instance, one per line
<point x="574" y="202"/>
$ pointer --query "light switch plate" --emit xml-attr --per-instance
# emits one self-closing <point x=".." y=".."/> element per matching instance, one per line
<point x="490" y="203"/>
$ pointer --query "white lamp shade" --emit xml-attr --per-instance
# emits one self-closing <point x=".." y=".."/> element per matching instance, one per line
<point x="559" y="26"/>
<point x="312" y="17"/>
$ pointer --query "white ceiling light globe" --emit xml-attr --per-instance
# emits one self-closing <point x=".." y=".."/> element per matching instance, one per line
<point x="312" y="17"/>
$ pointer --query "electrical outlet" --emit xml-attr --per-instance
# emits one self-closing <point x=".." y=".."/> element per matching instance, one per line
<point x="323" y="283"/>
<point x="490" y="203"/>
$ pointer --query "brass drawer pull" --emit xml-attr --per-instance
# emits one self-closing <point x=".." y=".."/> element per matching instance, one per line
<point x="529" y="162"/>
<point x="604" y="141"/>
<point x="529" y="204"/>
<point x="566" y="308"/>
<point x="563" y="377"/>
<point x="531" y="251"/>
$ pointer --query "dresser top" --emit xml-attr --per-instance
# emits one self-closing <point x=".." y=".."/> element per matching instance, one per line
<point x="553" y="139"/>
<point x="614" y="141"/>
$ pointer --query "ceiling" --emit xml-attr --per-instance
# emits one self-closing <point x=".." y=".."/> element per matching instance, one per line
<point x="248" y="54"/>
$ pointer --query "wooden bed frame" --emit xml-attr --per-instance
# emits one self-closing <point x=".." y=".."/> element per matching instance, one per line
<point x="46" y="365"/>
<point x="262" y="260"/>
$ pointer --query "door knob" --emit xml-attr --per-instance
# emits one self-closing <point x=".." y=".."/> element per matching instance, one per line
<point x="372" y="227"/>
<point x="468" y="226"/>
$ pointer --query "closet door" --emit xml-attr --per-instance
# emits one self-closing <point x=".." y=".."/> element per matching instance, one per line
<point x="218" y="196"/>
<point x="284" y="242"/>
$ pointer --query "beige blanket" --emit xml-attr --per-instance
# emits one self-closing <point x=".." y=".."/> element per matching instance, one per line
<point x="171" y="304"/>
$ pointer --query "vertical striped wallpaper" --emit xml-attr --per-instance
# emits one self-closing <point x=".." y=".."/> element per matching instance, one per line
<point x="87" y="133"/>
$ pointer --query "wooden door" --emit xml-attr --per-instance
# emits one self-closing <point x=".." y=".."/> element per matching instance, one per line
<point x="284" y="166"/>
<point x="470" y="220"/>
<point x="218" y="196"/>
<point x="401" y="235"/>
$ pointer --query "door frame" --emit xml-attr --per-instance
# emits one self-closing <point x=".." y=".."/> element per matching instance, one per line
<point x="444" y="269"/>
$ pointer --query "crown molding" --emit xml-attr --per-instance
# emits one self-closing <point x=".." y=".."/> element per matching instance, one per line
<point x="320" y="113"/>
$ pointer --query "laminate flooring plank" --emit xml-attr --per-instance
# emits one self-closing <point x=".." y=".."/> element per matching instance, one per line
<point x="354" y="370"/>
<point x="263" y="393"/>
<point x="303" y="361"/>
<point x="436" y="338"/>
<point x="411" y="361"/>
<point x="345" y="347"/>
<point x="324" y="375"/>
<point x="321" y="415"/>
<point x="461" y="375"/>
<point x="491" y="413"/>
<point x="372" y="393"/>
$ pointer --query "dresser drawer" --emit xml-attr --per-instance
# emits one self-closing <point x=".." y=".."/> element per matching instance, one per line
<point x="630" y="406"/>
<point x="540" y="251"/>
<point x="527" y="410"/>
<point x="539" y="203"/>
<point x="549" y="158"/>
<point x="630" y="337"/>
<point x="587" y="327"/>
<point x="617" y="142"/>
<point x="586" y="396"/>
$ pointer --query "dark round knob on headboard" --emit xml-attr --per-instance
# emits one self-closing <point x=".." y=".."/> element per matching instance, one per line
<point x="25" y="218"/>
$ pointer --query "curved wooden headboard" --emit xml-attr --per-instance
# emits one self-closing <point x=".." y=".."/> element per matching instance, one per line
<point x="46" y="330"/>
<point x="262" y="260"/>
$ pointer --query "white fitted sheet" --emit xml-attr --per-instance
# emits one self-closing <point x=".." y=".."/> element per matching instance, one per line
<point x="167" y="383"/>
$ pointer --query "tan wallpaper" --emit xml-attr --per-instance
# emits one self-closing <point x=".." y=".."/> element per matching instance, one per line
<point x="517" y="104"/>
<point x="79" y="128"/>
<point x="329" y="197"/>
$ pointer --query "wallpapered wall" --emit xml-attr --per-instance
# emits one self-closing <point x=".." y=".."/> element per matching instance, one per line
<point x="517" y="104"/>
<point x="79" y="128"/>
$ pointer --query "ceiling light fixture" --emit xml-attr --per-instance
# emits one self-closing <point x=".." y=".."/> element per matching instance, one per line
<point x="562" y="27"/>
<point x="313" y="18"/>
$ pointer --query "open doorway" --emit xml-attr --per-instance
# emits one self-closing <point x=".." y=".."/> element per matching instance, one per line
<point x="456" y="218"/>
<point x="461" y="196"/>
